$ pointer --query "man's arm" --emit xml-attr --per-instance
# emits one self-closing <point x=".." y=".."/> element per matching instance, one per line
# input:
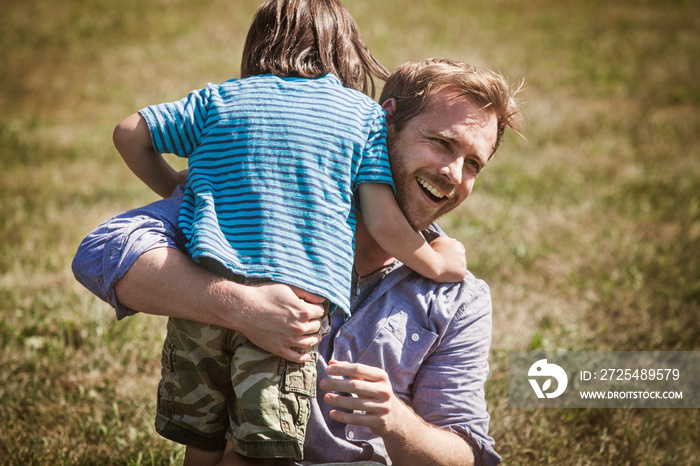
<point x="446" y="393"/>
<point x="166" y="282"/>
<point x="408" y="439"/>
<point x="135" y="262"/>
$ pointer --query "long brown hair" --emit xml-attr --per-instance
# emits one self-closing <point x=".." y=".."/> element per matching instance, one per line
<point x="309" y="39"/>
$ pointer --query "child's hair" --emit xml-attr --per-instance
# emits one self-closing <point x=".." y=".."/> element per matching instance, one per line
<point x="309" y="39"/>
<point x="411" y="84"/>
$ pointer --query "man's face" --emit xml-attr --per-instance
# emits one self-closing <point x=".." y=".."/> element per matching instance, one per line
<point x="437" y="155"/>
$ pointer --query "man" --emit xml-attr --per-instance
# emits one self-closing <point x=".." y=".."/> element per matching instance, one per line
<point x="401" y="381"/>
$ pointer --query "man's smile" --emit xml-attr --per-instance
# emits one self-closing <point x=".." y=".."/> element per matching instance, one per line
<point x="432" y="191"/>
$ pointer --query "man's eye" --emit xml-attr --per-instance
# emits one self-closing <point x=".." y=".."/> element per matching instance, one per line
<point x="442" y="143"/>
<point x="474" y="164"/>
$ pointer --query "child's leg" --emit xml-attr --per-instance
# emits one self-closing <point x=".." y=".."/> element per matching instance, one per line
<point x="196" y="457"/>
<point x="194" y="389"/>
<point x="271" y="402"/>
<point x="232" y="458"/>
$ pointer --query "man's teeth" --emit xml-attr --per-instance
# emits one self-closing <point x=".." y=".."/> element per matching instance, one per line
<point x="430" y="188"/>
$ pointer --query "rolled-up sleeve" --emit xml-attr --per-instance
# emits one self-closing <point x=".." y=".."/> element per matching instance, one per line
<point x="107" y="253"/>
<point x="449" y="389"/>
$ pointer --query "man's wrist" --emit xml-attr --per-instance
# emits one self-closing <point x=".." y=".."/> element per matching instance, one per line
<point x="405" y="424"/>
<point x="415" y="439"/>
<point x="229" y="303"/>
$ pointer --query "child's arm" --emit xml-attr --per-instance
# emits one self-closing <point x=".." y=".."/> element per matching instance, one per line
<point x="133" y="141"/>
<point x="444" y="262"/>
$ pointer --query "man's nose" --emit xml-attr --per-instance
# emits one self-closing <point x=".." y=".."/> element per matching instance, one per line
<point x="454" y="171"/>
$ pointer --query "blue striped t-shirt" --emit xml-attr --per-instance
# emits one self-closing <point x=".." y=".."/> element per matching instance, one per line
<point x="274" y="164"/>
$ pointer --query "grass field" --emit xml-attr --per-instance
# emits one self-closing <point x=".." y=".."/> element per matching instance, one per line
<point x="588" y="231"/>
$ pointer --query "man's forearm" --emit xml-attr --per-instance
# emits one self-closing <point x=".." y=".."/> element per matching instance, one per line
<point x="164" y="281"/>
<point x="418" y="442"/>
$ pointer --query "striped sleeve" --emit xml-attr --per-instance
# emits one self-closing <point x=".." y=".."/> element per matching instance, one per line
<point x="176" y="127"/>
<point x="374" y="166"/>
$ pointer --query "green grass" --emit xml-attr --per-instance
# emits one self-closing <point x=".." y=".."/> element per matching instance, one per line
<point x="588" y="232"/>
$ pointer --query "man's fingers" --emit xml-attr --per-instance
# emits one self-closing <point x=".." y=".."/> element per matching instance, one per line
<point x="362" y="389"/>
<point x="291" y="354"/>
<point x="352" y="403"/>
<point x="297" y="349"/>
<point x="338" y="385"/>
<point x="308" y="341"/>
<point x="314" y="312"/>
<point x="356" y="371"/>
<point x="308" y="328"/>
<point x="348" y="418"/>
<point x="306" y="296"/>
<point x="351" y="411"/>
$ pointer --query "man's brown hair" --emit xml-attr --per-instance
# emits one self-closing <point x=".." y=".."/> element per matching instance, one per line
<point x="412" y="84"/>
<point x="309" y="39"/>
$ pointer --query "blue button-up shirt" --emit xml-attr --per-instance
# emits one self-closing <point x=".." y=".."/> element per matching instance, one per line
<point x="432" y="339"/>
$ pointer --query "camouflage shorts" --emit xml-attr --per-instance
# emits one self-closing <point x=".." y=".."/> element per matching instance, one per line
<point x="216" y="386"/>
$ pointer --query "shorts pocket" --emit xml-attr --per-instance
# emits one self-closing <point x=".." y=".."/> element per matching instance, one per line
<point x="300" y="378"/>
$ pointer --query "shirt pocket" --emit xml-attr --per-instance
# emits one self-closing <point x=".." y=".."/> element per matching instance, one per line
<point x="399" y="347"/>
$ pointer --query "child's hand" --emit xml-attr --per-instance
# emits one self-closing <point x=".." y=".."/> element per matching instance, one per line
<point x="454" y="259"/>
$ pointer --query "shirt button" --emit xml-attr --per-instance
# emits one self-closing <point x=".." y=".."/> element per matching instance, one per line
<point x="415" y="337"/>
<point x="351" y="435"/>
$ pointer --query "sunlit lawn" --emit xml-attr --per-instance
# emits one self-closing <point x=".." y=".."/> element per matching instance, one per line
<point x="588" y="231"/>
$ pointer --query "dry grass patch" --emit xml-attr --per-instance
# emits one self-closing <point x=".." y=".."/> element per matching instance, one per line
<point x="587" y="232"/>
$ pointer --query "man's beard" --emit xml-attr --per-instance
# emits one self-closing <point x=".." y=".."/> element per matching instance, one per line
<point x="418" y="214"/>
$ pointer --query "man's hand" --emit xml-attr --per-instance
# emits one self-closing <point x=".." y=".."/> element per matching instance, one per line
<point x="408" y="439"/>
<point x="372" y="399"/>
<point x="285" y="319"/>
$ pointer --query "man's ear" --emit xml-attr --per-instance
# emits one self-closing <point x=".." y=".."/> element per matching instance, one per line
<point x="389" y="107"/>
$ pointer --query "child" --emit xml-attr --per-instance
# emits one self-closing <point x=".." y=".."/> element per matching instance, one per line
<point x="276" y="161"/>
